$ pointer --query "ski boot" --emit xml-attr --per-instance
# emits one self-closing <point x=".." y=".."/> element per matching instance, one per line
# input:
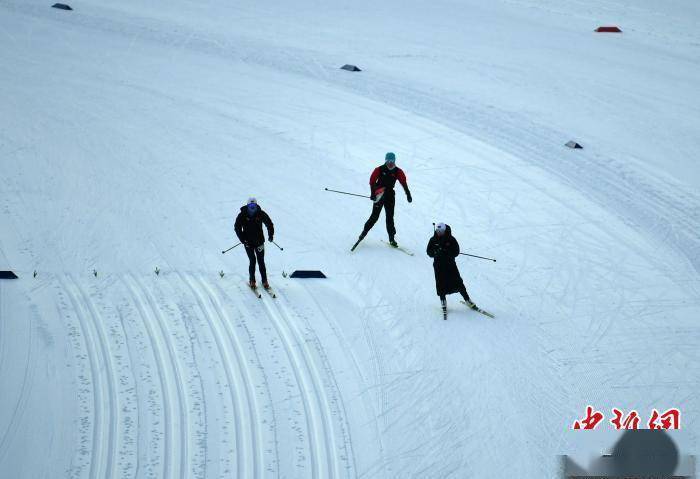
<point x="266" y="285"/>
<point x="251" y="283"/>
<point x="393" y="242"/>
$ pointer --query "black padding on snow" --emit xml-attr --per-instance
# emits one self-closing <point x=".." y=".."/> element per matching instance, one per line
<point x="7" y="275"/>
<point x="301" y="273"/>
<point x="62" y="6"/>
<point x="350" y="68"/>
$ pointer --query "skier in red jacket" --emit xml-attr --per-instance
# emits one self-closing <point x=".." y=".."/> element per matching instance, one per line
<point x="381" y="184"/>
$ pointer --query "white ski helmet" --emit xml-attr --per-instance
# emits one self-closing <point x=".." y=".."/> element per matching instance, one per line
<point x="440" y="229"/>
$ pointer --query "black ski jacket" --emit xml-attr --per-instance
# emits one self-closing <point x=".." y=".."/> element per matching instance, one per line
<point x="444" y="249"/>
<point x="249" y="228"/>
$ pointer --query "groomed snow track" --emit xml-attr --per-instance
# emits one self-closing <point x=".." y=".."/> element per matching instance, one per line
<point x="145" y="366"/>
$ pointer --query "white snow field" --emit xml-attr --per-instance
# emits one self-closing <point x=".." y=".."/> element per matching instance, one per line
<point x="131" y="132"/>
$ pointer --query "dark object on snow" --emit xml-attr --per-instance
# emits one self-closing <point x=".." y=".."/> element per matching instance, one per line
<point x="61" y="6"/>
<point x="249" y="223"/>
<point x="7" y="275"/>
<point x="350" y="68"/>
<point x="638" y="453"/>
<point x="248" y="226"/>
<point x="574" y="145"/>
<point x="302" y="273"/>
<point x="381" y="184"/>
<point x="444" y="248"/>
<point x="608" y="30"/>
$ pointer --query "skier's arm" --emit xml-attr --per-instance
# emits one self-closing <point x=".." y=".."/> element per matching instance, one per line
<point x="372" y="182"/>
<point x="270" y="227"/>
<point x="454" y="247"/>
<point x="238" y="228"/>
<point x="431" y="248"/>
<point x="401" y="176"/>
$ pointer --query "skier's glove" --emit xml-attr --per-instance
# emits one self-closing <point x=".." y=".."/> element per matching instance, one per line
<point x="270" y="239"/>
<point x="246" y="245"/>
<point x="408" y="196"/>
<point x="373" y="197"/>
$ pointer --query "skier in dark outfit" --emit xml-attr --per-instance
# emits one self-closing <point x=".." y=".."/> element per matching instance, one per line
<point x="444" y="248"/>
<point x="381" y="184"/>
<point x="249" y="231"/>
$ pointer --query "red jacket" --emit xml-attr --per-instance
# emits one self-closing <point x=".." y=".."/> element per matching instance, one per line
<point x="383" y="177"/>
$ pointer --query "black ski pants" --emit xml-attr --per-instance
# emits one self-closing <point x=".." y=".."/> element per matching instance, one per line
<point x="387" y="202"/>
<point x="462" y="291"/>
<point x="252" y="253"/>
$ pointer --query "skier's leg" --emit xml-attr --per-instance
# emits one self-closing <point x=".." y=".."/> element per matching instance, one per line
<point x="261" y="264"/>
<point x="465" y="295"/>
<point x="467" y="299"/>
<point x="389" y="216"/>
<point x="251" y="264"/>
<point x="376" y="210"/>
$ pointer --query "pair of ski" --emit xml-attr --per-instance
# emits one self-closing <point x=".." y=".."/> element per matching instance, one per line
<point x="400" y="248"/>
<point x="470" y="306"/>
<point x="256" y="292"/>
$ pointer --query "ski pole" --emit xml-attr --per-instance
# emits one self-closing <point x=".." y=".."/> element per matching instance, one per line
<point x="475" y="256"/>
<point x="281" y="249"/>
<point x="346" y="193"/>
<point x="472" y="255"/>
<point x="224" y="251"/>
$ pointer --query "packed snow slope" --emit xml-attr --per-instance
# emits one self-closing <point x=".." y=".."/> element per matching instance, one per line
<point x="131" y="133"/>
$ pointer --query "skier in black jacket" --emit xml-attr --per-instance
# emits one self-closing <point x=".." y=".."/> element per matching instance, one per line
<point x="249" y="231"/>
<point x="444" y="248"/>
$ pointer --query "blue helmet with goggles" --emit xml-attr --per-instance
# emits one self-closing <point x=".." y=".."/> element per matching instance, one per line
<point x="252" y="206"/>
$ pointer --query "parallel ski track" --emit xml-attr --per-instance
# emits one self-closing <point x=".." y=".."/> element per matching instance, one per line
<point x="82" y="361"/>
<point x="337" y="398"/>
<point x="244" y="311"/>
<point x="131" y="409"/>
<point x="105" y="408"/>
<point x="243" y="420"/>
<point x="171" y="381"/>
<point x="25" y="389"/>
<point x="249" y="385"/>
<point x="318" y="409"/>
<point x="182" y="396"/>
<point x="332" y="323"/>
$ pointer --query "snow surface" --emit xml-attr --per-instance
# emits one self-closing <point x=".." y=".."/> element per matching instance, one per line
<point x="131" y="132"/>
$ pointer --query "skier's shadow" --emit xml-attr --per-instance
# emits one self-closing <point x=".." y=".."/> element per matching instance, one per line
<point x="646" y="452"/>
